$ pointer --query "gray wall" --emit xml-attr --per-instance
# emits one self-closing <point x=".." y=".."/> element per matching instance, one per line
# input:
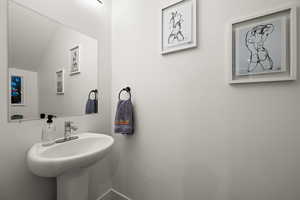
<point x="16" y="181"/>
<point x="198" y="138"/>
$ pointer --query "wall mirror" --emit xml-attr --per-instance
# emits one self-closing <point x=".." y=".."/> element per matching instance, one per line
<point x="52" y="69"/>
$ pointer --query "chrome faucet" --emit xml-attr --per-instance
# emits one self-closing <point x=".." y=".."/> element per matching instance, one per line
<point x="68" y="132"/>
<point x="69" y="128"/>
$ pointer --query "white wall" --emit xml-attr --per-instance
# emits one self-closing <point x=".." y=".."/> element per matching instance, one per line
<point x="77" y="87"/>
<point x="16" y="181"/>
<point x="27" y="28"/>
<point x="30" y="109"/>
<point x="197" y="137"/>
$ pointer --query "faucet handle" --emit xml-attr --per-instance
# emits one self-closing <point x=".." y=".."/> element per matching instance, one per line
<point x="74" y="128"/>
<point x="68" y="123"/>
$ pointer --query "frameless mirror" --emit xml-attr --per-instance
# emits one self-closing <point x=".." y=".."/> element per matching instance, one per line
<point x="52" y="68"/>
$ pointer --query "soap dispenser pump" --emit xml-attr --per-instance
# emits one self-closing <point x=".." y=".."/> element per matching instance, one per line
<point x="48" y="132"/>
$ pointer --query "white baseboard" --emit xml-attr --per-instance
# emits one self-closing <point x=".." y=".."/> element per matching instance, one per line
<point x="113" y="194"/>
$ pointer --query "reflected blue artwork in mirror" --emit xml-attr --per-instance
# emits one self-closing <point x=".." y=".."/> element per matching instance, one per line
<point x="16" y="90"/>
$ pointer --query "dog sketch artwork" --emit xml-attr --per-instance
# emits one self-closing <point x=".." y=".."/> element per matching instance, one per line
<point x="260" y="48"/>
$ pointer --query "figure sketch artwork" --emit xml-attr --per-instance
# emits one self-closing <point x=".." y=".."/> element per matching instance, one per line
<point x="177" y="25"/>
<point x="60" y="82"/>
<point x="75" y="68"/>
<point x="261" y="48"/>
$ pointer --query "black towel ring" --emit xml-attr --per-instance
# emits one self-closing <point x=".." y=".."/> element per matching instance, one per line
<point x="95" y="92"/>
<point x="127" y="89"/>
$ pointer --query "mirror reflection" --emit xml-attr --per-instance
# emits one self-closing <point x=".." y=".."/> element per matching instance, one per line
<point x="52" y="68"/>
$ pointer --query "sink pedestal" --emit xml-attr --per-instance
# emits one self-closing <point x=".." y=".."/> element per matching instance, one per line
<point x="69" y="162"/>
<point x="73" y="185"/>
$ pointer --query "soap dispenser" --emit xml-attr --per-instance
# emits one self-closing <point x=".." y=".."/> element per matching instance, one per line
<point x="48" y="132"/>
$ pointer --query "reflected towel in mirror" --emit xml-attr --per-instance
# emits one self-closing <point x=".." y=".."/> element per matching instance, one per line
<point x="92" y="104"/>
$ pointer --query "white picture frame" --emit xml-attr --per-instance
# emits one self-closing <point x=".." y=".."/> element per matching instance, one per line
<point x="179" y="26"/>
<point x="261" y="67"/>
<point x="60" y="82"/>
<point x="75" y="60"/>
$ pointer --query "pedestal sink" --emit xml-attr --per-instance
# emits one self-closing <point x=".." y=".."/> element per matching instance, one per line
<point x="69" y="162"/>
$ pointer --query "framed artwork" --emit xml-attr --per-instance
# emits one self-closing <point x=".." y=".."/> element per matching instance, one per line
<point x="60" y="82"/>
<point x="17" y="90"/>
<point x="179" y="26"/>
<point x="75" y="60"/>
<point x="263" y="48"/>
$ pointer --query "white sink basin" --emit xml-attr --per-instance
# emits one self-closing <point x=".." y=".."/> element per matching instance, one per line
<point x="58" y="159"/>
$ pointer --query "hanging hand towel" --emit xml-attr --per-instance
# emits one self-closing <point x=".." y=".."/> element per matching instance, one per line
<point x="124" y="117"/>
<point x="92" y="104"/>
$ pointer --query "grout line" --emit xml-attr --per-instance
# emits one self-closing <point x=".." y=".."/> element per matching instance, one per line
<point x="120" y="194"/>
<point x="105" y="194"/>
<point x="113" y="191"/>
